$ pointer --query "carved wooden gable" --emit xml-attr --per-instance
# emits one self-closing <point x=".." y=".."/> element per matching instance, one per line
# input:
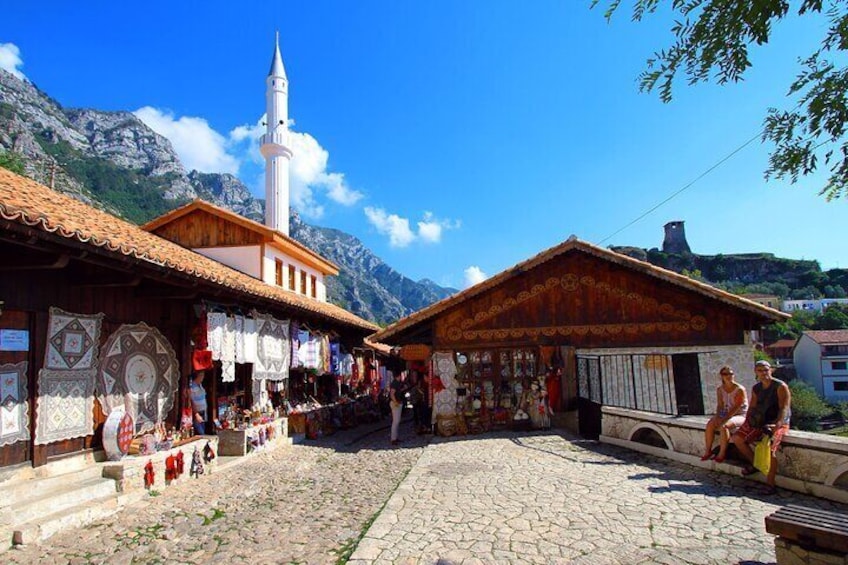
<point x="584" y="300"/>
<point x="201" y="228"/>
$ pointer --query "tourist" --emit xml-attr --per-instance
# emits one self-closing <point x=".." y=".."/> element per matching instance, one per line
<point x="396" y="398"/>
<point x="198" y="403"/>
<point x="769" y="413"/>
<point x="731" y="407"/>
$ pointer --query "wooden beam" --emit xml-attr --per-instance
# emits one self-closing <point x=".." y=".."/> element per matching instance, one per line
<point x="60" y="262"/>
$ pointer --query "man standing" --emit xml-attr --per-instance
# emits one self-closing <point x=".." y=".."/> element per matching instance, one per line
<point x="769" y="413"/>
<point x="396" y="398"/>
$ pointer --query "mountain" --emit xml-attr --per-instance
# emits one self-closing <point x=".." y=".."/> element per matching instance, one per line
<point x="113" y="161"/>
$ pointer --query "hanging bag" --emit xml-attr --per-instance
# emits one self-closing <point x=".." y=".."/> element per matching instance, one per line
<point x="762" y="455"/>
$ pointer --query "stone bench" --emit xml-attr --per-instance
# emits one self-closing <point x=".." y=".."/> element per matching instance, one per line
<point x="809" y="536"/>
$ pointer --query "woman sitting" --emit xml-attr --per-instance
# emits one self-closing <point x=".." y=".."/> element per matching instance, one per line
<point x="732" y="405"/>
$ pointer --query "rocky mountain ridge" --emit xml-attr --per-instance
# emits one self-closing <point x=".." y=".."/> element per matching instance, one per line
<point x="115" y="162"/>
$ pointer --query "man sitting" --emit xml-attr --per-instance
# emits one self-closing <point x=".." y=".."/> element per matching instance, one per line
<point x="768" y="413"/>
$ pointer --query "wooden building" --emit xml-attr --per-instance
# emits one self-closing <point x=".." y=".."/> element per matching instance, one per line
<point x="611" y="329"/>
<point x="61" y="257"/>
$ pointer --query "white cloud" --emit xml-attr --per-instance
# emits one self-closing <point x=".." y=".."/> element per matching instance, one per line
<point x="394" y="226"/>
<point x="10" y="59"/>
<point x="399" y="232"/>
<point x="474" y="275"/>
<point x="430" y="228"/>
<point x="310" y="179"/>
<point x="198" y="145"/>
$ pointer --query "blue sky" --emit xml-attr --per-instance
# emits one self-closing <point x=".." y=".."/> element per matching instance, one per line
<point x="455" y="139"/>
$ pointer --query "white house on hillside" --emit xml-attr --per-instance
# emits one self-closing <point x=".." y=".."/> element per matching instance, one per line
<point x="817" y="304"/>
<point x="821" y="359"/>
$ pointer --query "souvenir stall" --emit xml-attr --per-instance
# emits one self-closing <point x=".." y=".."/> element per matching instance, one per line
<point x="553" y="339"/>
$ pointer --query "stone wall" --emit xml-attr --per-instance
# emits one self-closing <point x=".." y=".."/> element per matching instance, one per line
<point x="810" y="463"/>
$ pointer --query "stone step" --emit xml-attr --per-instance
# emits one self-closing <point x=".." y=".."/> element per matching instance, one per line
<point x="73" y="493"/>
<point x="16" y="491"/>
<point x="42" y="527"/>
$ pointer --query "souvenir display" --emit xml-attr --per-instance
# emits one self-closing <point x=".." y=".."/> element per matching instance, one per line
<point x="117" y="434"/>
<point x="72" y="340"/>
<point x="14" y="409"/>
<point x="139" y="372"/>
<point x="65" y="405"/>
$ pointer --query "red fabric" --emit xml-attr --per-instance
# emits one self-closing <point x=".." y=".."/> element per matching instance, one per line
<point x="170" y="468"/>
<point x="552" y="384"/>
<point x="199" y="332"/>
<point x="438" y="385"/>
<point x="180" y="463"/>
<point x="201" y="359"/>
<point x="149" y="475"/>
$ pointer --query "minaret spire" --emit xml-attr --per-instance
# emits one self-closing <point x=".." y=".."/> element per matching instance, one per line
<point x="274" y="144"/>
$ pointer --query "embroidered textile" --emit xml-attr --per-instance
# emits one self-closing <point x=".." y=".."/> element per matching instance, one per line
<point x="250" y="342"/>
<point x="346" y="365"/>
<point x="272" y="349"/>
<point x="309" y="353"/>
<point x="239" y="338"/>
<point x="228" y="371"/>
<point x="228" y="347"/>
<point x="72" y="340"/>
<point x="444" y="401"/>
<point x="14" y="408"/>
<point x="139" y="371"/>
<point x="215" y="333"/>
<point x="65" y="405"/>
<point x="295" y="344"/>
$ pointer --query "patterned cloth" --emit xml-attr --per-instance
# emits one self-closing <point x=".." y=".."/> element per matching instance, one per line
<point x="215" y="333"/>
<point x="295" y="344"/>
<point x="14" y="409"/>
<point x="72" y="340"/>
<point x="272" y="351"/>
<point x="139" y="372"/>
<point x="65" y="405"/>
<point x="250" y="340"/>
<point x="309" y="353"/>
<point x="239" y="338"/>
<point x="444" y="402"/>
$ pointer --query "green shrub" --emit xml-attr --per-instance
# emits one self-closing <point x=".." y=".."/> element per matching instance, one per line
<point x="807" y="406"/>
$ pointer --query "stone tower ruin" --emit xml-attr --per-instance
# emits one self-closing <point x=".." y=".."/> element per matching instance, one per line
<point x="675" y="239"/>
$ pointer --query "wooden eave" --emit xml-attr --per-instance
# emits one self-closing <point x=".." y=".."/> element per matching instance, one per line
<point x="415" y="322"/>
<point x="285" y="244"/>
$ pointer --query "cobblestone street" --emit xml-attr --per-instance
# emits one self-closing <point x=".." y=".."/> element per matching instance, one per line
<point x="502" y="498"/>
<point x="301" y="504"/>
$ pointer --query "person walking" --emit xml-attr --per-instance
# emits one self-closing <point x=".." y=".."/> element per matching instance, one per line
<point x="769" y="413"/>
<point x="396" y="398"/>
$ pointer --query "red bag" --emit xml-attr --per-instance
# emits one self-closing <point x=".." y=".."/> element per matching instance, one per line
<point x="438" y="385"/>
<point x="201" y="359"/>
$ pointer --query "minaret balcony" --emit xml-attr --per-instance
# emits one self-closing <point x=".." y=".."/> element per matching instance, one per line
<point x="276" y="138"/>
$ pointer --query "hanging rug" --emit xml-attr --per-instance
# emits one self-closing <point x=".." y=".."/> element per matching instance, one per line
<point x="272" y="348"/>
<point x="65" y="405"/>
<point x="139" y="372"/>
<point x="14" y="409"/>
<point x="72" y="340"/>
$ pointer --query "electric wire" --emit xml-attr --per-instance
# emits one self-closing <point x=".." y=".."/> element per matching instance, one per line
<point x="685" y="187"/>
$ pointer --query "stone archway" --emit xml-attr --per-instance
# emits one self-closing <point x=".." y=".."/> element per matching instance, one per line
<point x="651" y="434"/>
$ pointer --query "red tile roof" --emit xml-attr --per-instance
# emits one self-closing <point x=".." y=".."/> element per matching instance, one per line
<point x="28" y="203"/>
<point x="782" y="343"/>
<point x="571" y="243"/>
<point x="829" y="337"/>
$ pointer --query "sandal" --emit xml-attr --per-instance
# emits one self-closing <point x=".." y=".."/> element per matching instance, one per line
<point x="769" y="490"/>
<point x="707" y="455"/>
<point x="748" y="470"/>
<point x="719" y="459"/>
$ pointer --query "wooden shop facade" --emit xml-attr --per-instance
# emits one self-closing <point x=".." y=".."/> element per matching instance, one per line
<point x="582" y="327"/>
<point x="97" y="311"/>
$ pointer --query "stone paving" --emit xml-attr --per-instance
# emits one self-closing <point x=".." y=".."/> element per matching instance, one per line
<point x="542" y="498"/>
<point x="500" y="498"/>
<point x="305" y="503"/>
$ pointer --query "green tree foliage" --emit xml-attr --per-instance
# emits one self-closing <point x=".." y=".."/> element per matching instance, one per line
<point x="805" y="293"/>
<point x="835" y="317"/>
<point x="12" y="161"/>
<point x="807" y="406"/>
<point x="712" y="39"/>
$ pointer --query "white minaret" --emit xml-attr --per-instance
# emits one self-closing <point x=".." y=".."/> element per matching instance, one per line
<point x="274" y="145"/>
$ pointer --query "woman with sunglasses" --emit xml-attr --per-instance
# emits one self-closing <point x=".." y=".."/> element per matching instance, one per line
<point x="731" y="407"/>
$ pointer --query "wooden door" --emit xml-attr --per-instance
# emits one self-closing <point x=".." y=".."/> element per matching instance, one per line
<point x="687" y="384"/>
